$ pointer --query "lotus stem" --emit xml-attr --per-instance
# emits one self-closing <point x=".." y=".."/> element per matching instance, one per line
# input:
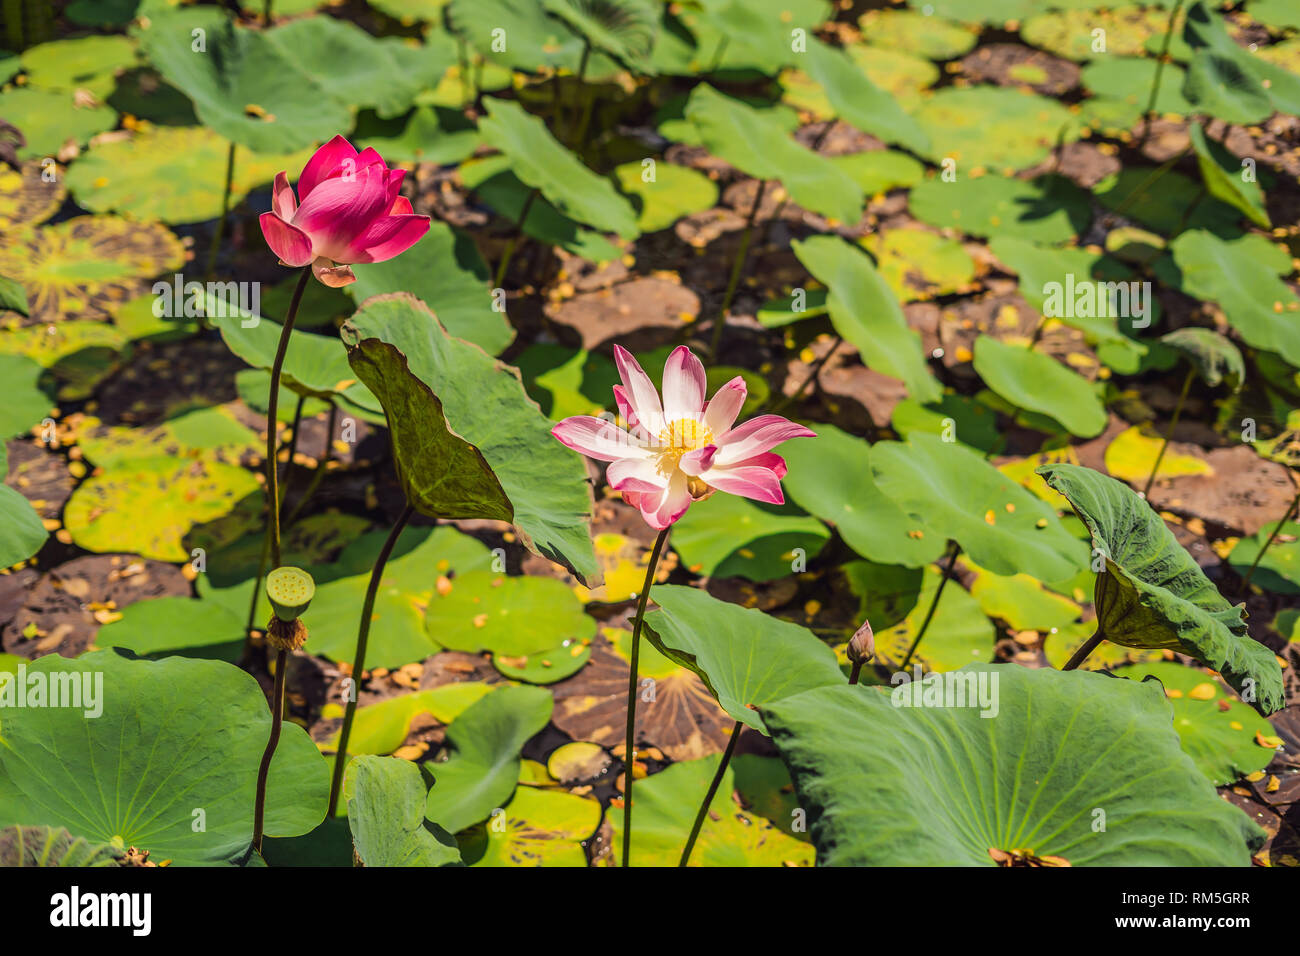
<point x="359" y="662"/>
<point x="708" y="797"/>
<point x="1290" y="512"/>
<point x="1149" y="113"/>
<point x="220" y="231"/>
<point x="514" y="240"/>
<point x="277" y="715"/>
<point x="934" y="604"/>
<point x="580" y="76"/>
<point x="809" y="379"/>
<point x="856" y="672"/>
<point x="1086" y="648"/>
<point x="737" y="266"/>
<point x="272" y="427"/>
<point x="266" y="541"/>
<point x="629" y="750"/>
<point x="1169" y="433"/>
<point x="318" y="474"/>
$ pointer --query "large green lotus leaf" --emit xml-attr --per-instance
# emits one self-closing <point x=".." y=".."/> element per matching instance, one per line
<point x="1279" y="569"/>
<point x="152" y="506"/>
<point x="754" y="143"/>
<point x="243" y="85"/>
<point x="486" y="404"/>
<point x="858" y="101"/>
<point x="84" y="268"/>
<point x="51" y="846"/>
<point x="172" y="173"/>
<point x="482" y="771"/>
<point x="830" y="476"/>
<point x="1222" y="174"/>
<point x="1152" y="594"/>
<point x="743" y="655"/>
<point x="1229" y="82"/>
<point x="210" y="433"/>
<point x="960" y="633"/>
<point x="624" y="29"/>
<point x="509" y="616"/>
<point x="1129" y="79"/>
<point x="539" y="160"/>
<point x="877" y="171"/>
<point x="78" y="354"/>
<point x="350" y="64"/>
<point x="953" y="492"/>
<point x="447" y="272"/>
<point x="1033" y="381"/>
<point x="25" y="405"/>
<point x="161" y="627"/>
<point x="673" y="192"/>
<point x="1022" y="601"/>
<point x="565" y="381"/>
<point x="1216" y="731"/>
<point x="993" y="127"/>
<point x="666" y="804"/>
<point x="1258" y="304"/>
<point x="492" y="181"/>
<point x="1161" y="202"/>
<point x="746" y="35"/>
<point x="381" y="728"/>
<point x="917" y="264"/>
<point x="386" y="816"/>
<point x="88" y="63"/>
<point x="441" y="474"/>
<point x="22" y="533"/>
<point x="1213" y="355"/>
<point x="397" y="634"/>
<point x="896" y="779"/>
<point x="168" y="765"/>
<point x="49" y="118"/>
<point x="314" y="365"/>
<point x="534" y="40"/>
<point x="929" y="36"/>
<point x="429" y="133"/>
<point x="734" y="537"/>
<point x="1047" y="209"/>
<point x="539" y="827"/>
<point x="866" y="313"/>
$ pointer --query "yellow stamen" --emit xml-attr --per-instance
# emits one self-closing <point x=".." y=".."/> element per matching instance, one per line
<point x="679" y="437"/>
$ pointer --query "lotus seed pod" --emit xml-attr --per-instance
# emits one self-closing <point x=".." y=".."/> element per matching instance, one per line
<point x="286" y="636"/>
<point x="290" y="590"/>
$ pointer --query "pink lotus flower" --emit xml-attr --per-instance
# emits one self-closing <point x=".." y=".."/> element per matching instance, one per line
<point x="350" y="212"/>
<point x="686" y="448"/>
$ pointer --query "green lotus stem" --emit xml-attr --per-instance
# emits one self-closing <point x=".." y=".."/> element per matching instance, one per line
<point x="708" y="797"/>
<point x="266" y="13"/>
<point x="629" y="750"/>
<point x="934" y="604"/>
<point x="462" y="62"/>
<point x="277" y="715"/>
<point x="272" y="427"/>
<point x="1086" y="648"/>
<point x="1245" y="581"/>
<point x="1154" y="176"/>
<point x="811" y="377"/>
<point x="514" y="240"/>
<point x="856" y="672"/>
<point x="1173" y="423"/>
<point x="318" y="473"/>
<point x="220" y="231"/>
<point x="1149" y="113"/>
<point x="359" y="662"/>
<point x="736" y="266"/>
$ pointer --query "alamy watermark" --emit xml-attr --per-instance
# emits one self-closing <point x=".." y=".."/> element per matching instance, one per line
<point x="977" y="689"/>
<point x="77" y="690"/>
<point x="1091" y="299"/>
<point x="192" y="300"/>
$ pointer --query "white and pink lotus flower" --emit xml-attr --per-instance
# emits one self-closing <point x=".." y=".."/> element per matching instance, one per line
<point x="683" y="449"/>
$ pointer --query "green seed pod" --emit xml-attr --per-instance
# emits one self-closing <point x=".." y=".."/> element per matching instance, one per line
<point x="290" y="590"/>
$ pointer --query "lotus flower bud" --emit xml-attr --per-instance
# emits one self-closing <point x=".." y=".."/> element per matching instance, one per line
<point x="862" y="646"/>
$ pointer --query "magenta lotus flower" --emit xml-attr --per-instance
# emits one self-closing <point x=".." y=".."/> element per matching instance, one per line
<point x="347" y="210"/>
<point x="685" y="448"/>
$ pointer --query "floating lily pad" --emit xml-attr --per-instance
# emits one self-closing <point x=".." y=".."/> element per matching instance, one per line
<point x="877" y="171"/>
<point x="86" y="63"/>
<point x="673" y="192"/>
<point x="486" y="404"/>
<point x="566" y="381"/>
<point x="1047" y="209"/>
<point x="150" y="506"/>
<point x="538" y="827"/>
<point x="1129" y="79"/>
<point x="743" y="655"/>
<point x="386" y="816"/>
<point x="26" y="405"/>
<point x="1069" y="32"/>
<point x="509" y="616"/>
<point x="482" y="771"/>
<point x="1132" y="454"/>
<point x="830" y="475"/>
<point x="168" y="626"/>
<point x="212" y="434"/>
<point x="866" y="313"/>
<point x="1279" y="569"/>
<point x="1021" y="601"/>
<point x="1152" y="594"/>
<point x="920" y="265"/>
<point x="147" y="773"/>
<point x="50" y="118"/>
<point x="381" y="728"/>
<point x="993" y="127"/>
<point x="433" y="134"/>
<point x="1027" y="780"/>
<point x="1036" y="382"/>
<point x="913" y="32"/>
<point x="27" y="197"/>
<point x="666" y="804"/>
<point x="952" y="492"/>
<point x="734" y="537"/>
